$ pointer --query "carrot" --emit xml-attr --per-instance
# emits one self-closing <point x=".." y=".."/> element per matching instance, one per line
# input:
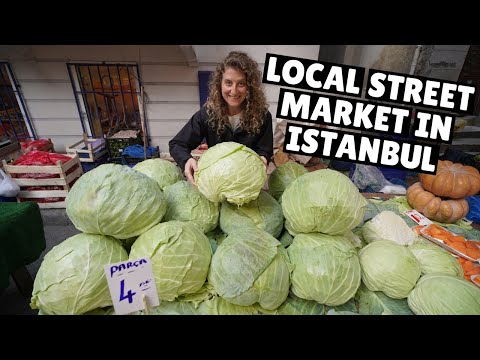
<point x="459" y="247"/>
<point x="417" y="229"/>
<point x="468" y="265"/>
<point x="458" y="238"/>
<point x="474" y="271"/>
<point x="473" y="253"/>
<point x="471" y="245"/>
<point x="461" y="260"/>
<point x="477" y="280"/>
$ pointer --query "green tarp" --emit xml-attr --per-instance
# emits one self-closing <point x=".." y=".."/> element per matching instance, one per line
<point x="22" y="239"/>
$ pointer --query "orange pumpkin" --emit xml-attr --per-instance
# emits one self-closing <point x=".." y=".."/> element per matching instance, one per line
<point x="452" y="180"/>
<point x="433" y="207"/>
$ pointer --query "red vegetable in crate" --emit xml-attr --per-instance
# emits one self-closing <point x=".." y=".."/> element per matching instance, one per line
<point x="41" y="158"/>
<point x="30" y="145"/>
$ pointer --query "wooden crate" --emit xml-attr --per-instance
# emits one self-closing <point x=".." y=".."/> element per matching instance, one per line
<point x="86" y="151"/>
<point x="10" y="152"/>
<point x="63" y="180"/>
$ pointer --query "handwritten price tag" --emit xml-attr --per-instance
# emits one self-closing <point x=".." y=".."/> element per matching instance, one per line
<point x="417" y="217"/>
<point x="132" y="285"/>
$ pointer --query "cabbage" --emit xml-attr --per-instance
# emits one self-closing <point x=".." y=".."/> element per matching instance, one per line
<point x="180" y="254"/>
<point x="390" y="268"/>
<point x="230" y="171"/>
<point x="324" y="201"/>
<point x="71" y="279"/>
<point x="216" y="237"/>
<point x="162" y="171"/>
<point x="115" y="200"/>
<point x="388" y="226"/>
<point x="264" y="212"/>
<point x="186" y="203"/>
<point x="433" y="259"/>
<point x="219" y="306"/>
<point x="377" y="303"/>
<point x="326" y="268"/>
<point x="294" y="305"/>
<point x="172" y="308"/>
<point x="282" y="176"/>
<point x="441" y="294"/>
<point x="285" y="238"/>
<point x="251" y="266"/>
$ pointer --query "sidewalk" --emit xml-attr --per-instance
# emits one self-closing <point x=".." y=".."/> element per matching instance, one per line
<point x="57" y="227"/>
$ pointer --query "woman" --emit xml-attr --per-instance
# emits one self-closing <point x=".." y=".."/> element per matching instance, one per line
<point x="236" y="110"/>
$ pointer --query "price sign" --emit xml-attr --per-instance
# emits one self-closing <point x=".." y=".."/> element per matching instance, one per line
<point x="417" y="217"/>
<point x="132" y="285"/>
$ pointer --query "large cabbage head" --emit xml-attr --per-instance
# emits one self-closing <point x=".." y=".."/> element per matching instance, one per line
<point x="162" y="171"/>
<point x="389" y="267"/>
<point x="186" y="203"/>
<point x="388" y="226"/>
<point x="433" y="259"/>
<point x="115" y="200"/>
<point x="251" y="266"/>
<point x="324" y="201"/>
<point x="71" y="279"/>
<point x="230" y="171"/>
<point x="326" y="268"/>
<point x="264" y="212"/>
<point x="180" y="254"/>
<point x="282" y="176"/>
<point x="441" y="294"/>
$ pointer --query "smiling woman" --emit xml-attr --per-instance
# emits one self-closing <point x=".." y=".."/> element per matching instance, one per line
<point x="236" y="110"/>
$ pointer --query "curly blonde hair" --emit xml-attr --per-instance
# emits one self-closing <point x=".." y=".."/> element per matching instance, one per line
<point x="255" y="105"/>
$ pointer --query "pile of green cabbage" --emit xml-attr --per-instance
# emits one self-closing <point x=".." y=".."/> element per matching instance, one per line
<point x="442" y="294"/>
<point x="180" y="254"/>
<point x="186" y="203"/>
<point x="230" y="171"/>
<point x="264" y="212"/>
<point x="162" y="171"/>
<point x="390" y="268"/>
<point x="71" y="279"/>
<point x="115" y="200"/>
<point x="326" y="268"/>
<point x="433" y="259"/>
<point x="323" y="201"/>
<point x="282" y="176"/>
<point x="250" y="266"/>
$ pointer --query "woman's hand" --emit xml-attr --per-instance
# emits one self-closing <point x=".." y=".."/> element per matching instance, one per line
<point x="264" y="159"/>
<point x="190" y="168"/>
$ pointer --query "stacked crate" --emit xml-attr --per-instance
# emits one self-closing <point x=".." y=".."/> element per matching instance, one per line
<point x="61" y="179"/>
<point x="91" y="152"/>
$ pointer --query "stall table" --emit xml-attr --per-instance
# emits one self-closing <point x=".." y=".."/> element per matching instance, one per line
<point x="22" y="240"/>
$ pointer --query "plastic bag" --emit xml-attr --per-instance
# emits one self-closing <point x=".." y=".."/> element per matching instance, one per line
<point x="474" y="211"/>
<point x="370" y="176"/>
<point x="8" y="187"/>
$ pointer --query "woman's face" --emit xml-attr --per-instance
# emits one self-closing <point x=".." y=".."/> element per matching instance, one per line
<point x="234" y="89"/>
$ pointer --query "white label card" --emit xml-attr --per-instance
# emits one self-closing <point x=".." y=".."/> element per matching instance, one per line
<point x="417" y="217"/>
<point x="132" y="285"/>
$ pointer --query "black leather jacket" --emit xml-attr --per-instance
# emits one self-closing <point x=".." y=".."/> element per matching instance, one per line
<point x="197" y="128"/>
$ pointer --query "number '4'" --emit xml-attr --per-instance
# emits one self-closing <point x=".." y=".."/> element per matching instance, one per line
<point x="128" y="296"/>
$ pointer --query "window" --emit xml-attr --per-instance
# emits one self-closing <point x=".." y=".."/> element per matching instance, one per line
<point x="14" y="121"/>
<point x="107" y="97"/>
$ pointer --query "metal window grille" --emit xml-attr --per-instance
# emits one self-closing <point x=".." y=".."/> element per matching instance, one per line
<point x="107" y="97"/>
<point x="15" y="123"/>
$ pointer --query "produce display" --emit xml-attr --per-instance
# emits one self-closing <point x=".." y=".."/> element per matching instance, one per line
<point x="314" y="246"/>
